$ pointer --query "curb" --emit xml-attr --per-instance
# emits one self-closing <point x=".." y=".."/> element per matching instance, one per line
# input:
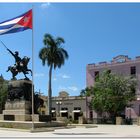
<point x="42" y="130"/>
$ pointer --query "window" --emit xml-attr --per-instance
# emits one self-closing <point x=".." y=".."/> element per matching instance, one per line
<point x="133" y="70"/>
<point x="91" y="115"/>
<point x="53" y="108"/>
<point x="96" y="74"/>
<point x="77" y="108"/>
<point x="64" y="108"/>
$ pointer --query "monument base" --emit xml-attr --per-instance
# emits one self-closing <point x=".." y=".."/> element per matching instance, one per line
<point x="28" y="124"/>
<point x="15" y="117"/>
<point x="17" y="111"/>
<point x="25" y="117"/>
<point x="18" y="106"/>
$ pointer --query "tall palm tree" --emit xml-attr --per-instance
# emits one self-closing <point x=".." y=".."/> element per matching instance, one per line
<point x="54" y="56"/>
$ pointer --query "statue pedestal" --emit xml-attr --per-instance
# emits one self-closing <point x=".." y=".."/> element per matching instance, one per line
<point x="18" y="104"/>
<point x="19" y="90"/>
<point x="17" y="111"/>
<point x="119" y="121"/>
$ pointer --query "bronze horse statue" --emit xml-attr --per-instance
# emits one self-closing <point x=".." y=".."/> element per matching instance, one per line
<point x="20" y="64"/>
<point x="21" y="68"/>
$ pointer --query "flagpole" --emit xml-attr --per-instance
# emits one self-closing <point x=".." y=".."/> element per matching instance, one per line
<point x="32" y="68"/>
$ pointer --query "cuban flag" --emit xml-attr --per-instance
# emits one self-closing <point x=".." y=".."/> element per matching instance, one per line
<point x="17" y="24"/>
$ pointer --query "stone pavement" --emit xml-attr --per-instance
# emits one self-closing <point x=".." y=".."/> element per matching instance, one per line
<point x="101" y="131"/>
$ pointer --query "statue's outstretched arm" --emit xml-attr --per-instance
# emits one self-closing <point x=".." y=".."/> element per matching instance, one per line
<point x="11" y="52"/>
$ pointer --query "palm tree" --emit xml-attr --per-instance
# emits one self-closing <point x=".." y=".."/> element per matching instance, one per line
<point x="54" y="56"/>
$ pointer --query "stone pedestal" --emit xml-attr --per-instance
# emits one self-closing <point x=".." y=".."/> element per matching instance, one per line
<point x="61" y="119"/>
<point x="81" y="120"/>
<point x="24" y="106"/>
<point x="119" y="120"/>
<point x="18" y="104"/>
<point x="19" y="90"/>
<point x="17" y="111"/>
<point x="138" y="121"/>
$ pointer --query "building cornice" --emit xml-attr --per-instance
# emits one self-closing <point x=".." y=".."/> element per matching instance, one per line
<point x="114" y="63"/>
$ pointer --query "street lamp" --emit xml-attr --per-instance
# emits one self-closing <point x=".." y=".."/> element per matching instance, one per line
<point x="130" y="113"/>
<point x="138" y="99"/>
<point x="59" y="103"/>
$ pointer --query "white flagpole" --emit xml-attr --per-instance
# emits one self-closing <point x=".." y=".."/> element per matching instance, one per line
<point x="32" y="68"/>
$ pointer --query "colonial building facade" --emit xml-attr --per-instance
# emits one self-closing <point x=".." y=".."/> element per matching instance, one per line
<point x="67" y="106"/>
<point x="122" y="65"/>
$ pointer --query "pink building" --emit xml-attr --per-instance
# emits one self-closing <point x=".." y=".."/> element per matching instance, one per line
<point x="120" y="65"/>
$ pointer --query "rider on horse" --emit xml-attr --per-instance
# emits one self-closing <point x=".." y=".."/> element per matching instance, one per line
<point x="20" y="65"/>
<point x="17" y="58"/>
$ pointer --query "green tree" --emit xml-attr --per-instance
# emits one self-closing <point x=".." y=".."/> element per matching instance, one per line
<point x="112" y="93"/>
<point x="54" y="56"/>
<point x="3" y="92"/>
<point x="86" y="92"/>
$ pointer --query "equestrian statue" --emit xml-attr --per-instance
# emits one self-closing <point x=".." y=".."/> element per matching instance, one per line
<point x="20" y="64"/>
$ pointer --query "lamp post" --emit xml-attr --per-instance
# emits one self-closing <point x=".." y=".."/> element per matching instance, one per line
<point x="130" y="113"/>
<point x="138" y="99"/>
<point x="59" y="103"/>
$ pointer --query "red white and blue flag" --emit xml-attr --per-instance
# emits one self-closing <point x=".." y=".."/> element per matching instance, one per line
<point x="17" y="24"/>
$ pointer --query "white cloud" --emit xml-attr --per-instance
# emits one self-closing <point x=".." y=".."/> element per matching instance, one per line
<point x="39" y="75"/>
<point x="73" y="88"/>
<point x="65" y="76"/>
<point x="54" y="79"/>
<point x="45" y="5"/>
<point x="62" y="88"/>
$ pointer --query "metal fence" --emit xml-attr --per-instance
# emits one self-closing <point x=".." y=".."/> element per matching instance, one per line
<point x="125" y="121"/>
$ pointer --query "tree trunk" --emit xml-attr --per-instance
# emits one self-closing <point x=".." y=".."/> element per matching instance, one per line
<point x="50" y="91"/>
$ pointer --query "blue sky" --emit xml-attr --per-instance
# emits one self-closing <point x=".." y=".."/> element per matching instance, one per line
<point x="93" y="32"/>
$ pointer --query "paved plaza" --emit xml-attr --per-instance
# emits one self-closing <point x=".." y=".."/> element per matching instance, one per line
<point x="101" y="131"/>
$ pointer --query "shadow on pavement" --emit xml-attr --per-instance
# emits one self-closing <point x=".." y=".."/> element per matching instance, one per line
<point x="81" y="133"/>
